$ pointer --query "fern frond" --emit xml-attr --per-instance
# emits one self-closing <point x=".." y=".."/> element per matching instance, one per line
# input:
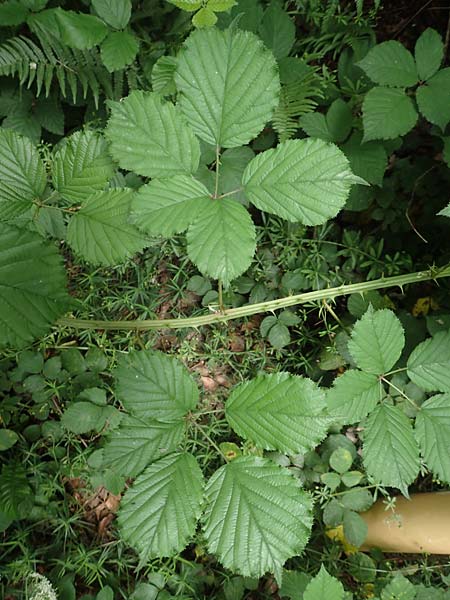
<point x="16" y="496"/>
<point x="45" y="61"/>
<point x="296" y="98"/>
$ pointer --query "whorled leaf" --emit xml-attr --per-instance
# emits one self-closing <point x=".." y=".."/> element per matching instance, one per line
<point x="256" y="516"/>
<point x="279" y="412"/>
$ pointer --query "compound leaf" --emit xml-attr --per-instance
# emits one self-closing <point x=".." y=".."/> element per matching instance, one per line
<point x="391" y="64"/>
<point x="159" y="512"/>
<point x="279" y="412"/>
<point x="100" y="232"/>
<point x="324" y="587"/>
<point x="229" y="85"/>
<point x="429" y="53"/>
<point x="32" y="286"/>
<point x="432" y="98"/>
<point x="81" y="166"/>
<point x="353" y="395"/>
<point x="377" y="341"/>
<point x="387" y="114"/>
<point x="22" y="174"/>
<point x="116" y="13"/>
<point x="256" y="516"/>
<point x="433" y="434"/>
<point x="138" y="442"/>
<point x="169" y="206"/>
<point x="149" y="136"/>
<point x="390" y="452"/>
<point x="153" y="385"/>
<point x="300" y="180"/>
<point x="118" y="50"/>
<point x="221" y="242"/>
<point x="428" y="363"/>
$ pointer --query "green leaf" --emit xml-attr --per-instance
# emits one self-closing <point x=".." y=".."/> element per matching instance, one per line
<point x="159" y="512"/>
<point x="232" y="166"/>
<point x="82" y="417"/>
<point x="390" y="453"/>
<point x="205" y="17"/>
<point x="339" y="120"/>
<point x="277" y="30"/>
<point x="377" y="341"/>
<point x="8" y="438"/>
<point x="315" y="125"/>
<point x="324" y="587"/>
<point x="433" y="434"/>
<point x="187" y="5"/>
<point x="399" y="589"/>
<point x="79" y="30"/>
<point x="300" y="180"/>
<point x="256" y="516"/>
<point x="279" y="336"/>
<point x="279" y="412"/>
<point x="229" y="85"/>
<point x="391" y="64"/>
<point x="429" y="53"/>
<point x="154" y="385"/>
<point x="163" y="75"/>
<point x="49" y="114"/>
<point x="358" y="499"/>
<point x="341" y="460"/>
<point x="32" y="286"/>
<point x="81" y="166"/>
<point x="368" y="160"/>
<point x="138" y="442"/>
<point x="12" y="13"/>
<point x="355" y="528"/>
<point x="22" y="175"/>
<point x="221" y="242"/>
<point x="115" y="13"/>
<point x="353" y="395"/>
<point x="387" y="113"/>
<point x="100" y="232"/>
<point x="358" y="304"/>
<point x="118" y="50"/>
<point x="221" y="5"/>
<point x="169" y="206"/>
<point x="294" y="584"/>
<point x="149" y="136"/>
<point x="428" y="364"/>
<point x="432" y="98"/>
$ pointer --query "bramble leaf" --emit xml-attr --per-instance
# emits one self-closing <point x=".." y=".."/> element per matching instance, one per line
<point x="32" y="286"/>
<point x="228" y="85"/>
<point x="81" y="166"/>
<point x="429" y="53"/>
<point x="353" y="395"/>
<point x="300" y="180"/>
<point x="368" y="160"/>
<point x="391" y="64"/>
<point x="100" y="232"/>
<point x="428" y="363"/>
<point x="150" y="137"/>
<point x="277" y="30"/>
<point x="387" y="114"/>
<point x="116" y="13"/>
<point x="279" y="412"/>
<point x="432" y="98"/>
<point x="222" y="241"/>
<point x="169" y="206"/>
<point x="324" y="587"/>
<point x="390" y="452"/>
<point x="159" y="512"/>
<point x="256" y="516"/>
<point x="118" y="50"/>
<point x="377" y="341"/>
<point x="153" y="385"/>
<point x="22" y="174"/>
<point x="433" y="434"/>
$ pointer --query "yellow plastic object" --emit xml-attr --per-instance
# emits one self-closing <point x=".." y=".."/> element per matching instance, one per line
<point x="421" y="524"/>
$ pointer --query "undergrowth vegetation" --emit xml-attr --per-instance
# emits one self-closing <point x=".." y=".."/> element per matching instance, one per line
<point x="224" y="313"/>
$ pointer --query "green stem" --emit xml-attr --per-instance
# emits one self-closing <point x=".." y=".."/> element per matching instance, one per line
<point x="260" y="307"/>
